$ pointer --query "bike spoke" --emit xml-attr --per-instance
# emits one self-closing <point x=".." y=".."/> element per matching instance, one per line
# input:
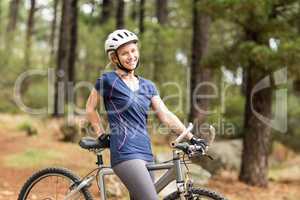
<point x="51" y="188"/>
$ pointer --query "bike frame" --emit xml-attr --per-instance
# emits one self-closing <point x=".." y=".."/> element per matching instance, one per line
<point x="174" y="172"/>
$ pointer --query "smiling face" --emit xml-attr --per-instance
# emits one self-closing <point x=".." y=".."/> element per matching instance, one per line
<point x="128" y="55"/>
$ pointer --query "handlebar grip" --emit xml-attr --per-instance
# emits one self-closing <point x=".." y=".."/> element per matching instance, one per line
<point x="182" y="146"/>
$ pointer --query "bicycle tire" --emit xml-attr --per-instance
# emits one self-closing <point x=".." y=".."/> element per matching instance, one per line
<point x="200" y="192"/>
<point x="39" y="176"/>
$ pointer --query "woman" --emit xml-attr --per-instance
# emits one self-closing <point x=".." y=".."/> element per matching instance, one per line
<point x="127" y="99"/>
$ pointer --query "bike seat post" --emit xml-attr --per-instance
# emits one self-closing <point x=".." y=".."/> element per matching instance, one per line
<point x="99" y="159"/>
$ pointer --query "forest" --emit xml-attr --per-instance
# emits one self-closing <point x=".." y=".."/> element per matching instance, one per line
<point x="233" y="64"/>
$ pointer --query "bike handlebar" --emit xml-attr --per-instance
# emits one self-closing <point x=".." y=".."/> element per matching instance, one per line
<point x="192" y="149"/>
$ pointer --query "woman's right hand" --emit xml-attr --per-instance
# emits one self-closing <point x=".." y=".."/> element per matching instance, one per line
<point x="104" y="140"/>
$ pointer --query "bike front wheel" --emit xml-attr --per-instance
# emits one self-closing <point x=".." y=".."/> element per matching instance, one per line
<point x="52" y="184"/>
<point x="197" y="194"/>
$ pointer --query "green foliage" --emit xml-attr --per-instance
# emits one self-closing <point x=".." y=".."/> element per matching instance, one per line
<point x="264" y="18"/>
<point x="165" y="50"/>
<point x="240" y="36"/>
<point x="36" y="97"/>
<point x="31" y="158"/>
<point x="234" y="112"/>
<point x="70" y="132"/>
<point x="228" y="116"/>
<point x="28" y="128"/>
<point x="294" y="116"/>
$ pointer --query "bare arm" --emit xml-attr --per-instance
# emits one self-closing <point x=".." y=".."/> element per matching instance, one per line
<point x="91" y="112"/>
<point x="167" y="117"/>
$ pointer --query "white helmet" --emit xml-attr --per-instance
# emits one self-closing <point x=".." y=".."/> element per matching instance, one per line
<point x="118" y="38"/>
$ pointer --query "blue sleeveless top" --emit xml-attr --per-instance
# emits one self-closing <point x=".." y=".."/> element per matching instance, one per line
<point x="127" y="112"/>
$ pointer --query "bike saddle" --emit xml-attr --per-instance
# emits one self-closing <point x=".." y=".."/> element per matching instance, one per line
<point x="91" y="143"/>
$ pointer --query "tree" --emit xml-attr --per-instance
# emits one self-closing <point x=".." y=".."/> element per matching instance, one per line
<point x="254" y="168"/>
<point x="66" y="56"/>
<point x="162" y="11"/>
<point x="28" y="42"/>
<point x="158" y="55"/>
<point x="53" y="32"/>
<point x="256" y="143"/>
<point x="1" y="17"/>
<point x="199" y="73"/>
<point x="29" y="32"/>
<point x="141" y="16"/>
<point x="248" y="48"/>
<point x="296" y="83"/>
<point x="296" y="86"/>
<point x="13" y="15"/>
<point x="73" y="42"/>
<point x="106" y="11"/>
<point x="120" y="14"/>
<point x="133" y="13"/>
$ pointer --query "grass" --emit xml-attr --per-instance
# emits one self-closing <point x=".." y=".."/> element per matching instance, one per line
<point x="285" y="173"/>
<point x="28" y="128"/>
<point x="31" y="158"/>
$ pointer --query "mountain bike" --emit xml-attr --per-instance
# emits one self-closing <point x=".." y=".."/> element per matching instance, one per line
<point x="60" y="183"/>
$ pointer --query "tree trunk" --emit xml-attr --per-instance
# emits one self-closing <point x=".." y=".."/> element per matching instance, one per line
<point x="120" y="14"/>
<point x="199" y="74"/>
<point x="13" y="15"/>
<point x="256" y="143"/>
<point x="141" y="17"/>
<point x="296" y="86"/>
<point x="160" y="74"/>
<point x="1" y="18"/>
<point x="162" y="11"/>
<point x="62" y="61"/>
<point x="244" y="82"/>
<point x="53" y="33"/>
<point x="298" y="21"/>
<point x="106" y="11"/>
<point x="73" y="44"/>
<point x="29" y="32"/>
<point x="296" y="83"/>
<point x="28" y="43"/>
<point x="133" y="12"/>
<point x="254" y="168"/>
<point x="160" y="71"/>
<point x="66" y="55"/>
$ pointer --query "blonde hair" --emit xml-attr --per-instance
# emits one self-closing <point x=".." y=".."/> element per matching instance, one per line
<point x="110" y="64"/>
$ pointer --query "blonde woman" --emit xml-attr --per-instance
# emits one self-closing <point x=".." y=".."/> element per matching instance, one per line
<point x="127" y="99"/>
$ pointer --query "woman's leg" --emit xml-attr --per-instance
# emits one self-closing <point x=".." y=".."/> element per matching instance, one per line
<point x="136" y="177"/>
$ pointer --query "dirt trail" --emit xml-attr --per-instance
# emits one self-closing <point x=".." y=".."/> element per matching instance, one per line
<point x="11" y="178"/>
<point x="13" y="141"/>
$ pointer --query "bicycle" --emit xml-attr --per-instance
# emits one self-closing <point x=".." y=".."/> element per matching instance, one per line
<point x="77" y="188"/>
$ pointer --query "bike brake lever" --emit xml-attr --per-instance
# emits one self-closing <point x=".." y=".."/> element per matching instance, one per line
<point x="199" y="154"/>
